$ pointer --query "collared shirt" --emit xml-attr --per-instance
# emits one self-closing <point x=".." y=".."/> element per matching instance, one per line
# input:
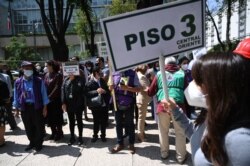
<point x="6" y="79"/>
<point x="30" y="98"/>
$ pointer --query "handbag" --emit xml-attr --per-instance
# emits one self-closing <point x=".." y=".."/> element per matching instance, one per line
<point x="96" y="101"/>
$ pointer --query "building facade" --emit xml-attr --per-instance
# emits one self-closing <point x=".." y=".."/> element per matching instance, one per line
<point x="23" y="17"/>
<point x="239" y="29"/>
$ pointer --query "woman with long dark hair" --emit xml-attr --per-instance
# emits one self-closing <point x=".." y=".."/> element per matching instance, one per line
<point x="224" y="80"/>
<point x="53" y="80"/>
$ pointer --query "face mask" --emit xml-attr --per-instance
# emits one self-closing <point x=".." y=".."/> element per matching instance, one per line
<point x="28" y="73"/>
<point x="38" y="68"/>
<point x="157" y="68"/>
<point x="194" y="96"/>
<point x="184" y="67"/>
<point x="106" y="65"/>
<point x="88" y="68"/>
<point x="45" y="69"/>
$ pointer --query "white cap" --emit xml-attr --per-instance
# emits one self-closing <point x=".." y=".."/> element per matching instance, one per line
<point x="170" y="60"/>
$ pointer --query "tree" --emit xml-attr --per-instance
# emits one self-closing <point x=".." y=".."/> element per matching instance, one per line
<point x="17" y="50"/>
<point x="56" y="21"/>
<point x="225" y="6"/>
<point x="210" y="17"/>
<point x="119" y="7"/>
<point x="85" y="7"/>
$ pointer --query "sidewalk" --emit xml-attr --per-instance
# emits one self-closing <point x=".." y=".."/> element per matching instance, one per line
<point x="90" y="154"/>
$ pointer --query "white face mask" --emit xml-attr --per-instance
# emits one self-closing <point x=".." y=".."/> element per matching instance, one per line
<point x="89" y="68"/>
<point x="157" y="68"/>
<point x="184" y="67"/>
<point x="45" y="70"/>
<point x="28" y="73"/>
<point x="38" y="68"/>
<point x="194" y="96"/>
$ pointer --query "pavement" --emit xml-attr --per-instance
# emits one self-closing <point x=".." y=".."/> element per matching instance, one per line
<point x="90" y="154"/>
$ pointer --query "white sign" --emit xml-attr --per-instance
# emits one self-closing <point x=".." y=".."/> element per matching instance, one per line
<point x="142" y="36"/>
<point x="70" y="68"/>
<point x="102" y="49"/>
<point x="199" y="52"/>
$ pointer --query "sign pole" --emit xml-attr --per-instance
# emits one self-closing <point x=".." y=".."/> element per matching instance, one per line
<point x="111" y="83"/>
<point x="164" y="77"/>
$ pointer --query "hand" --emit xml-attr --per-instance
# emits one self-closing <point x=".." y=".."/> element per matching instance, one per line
<point x="169" y="105"/>
<point x="124" y="87"/>
<point x="100" y="90"/>
<point x="17" y="113"/>
<point x="111" y="87"/>
<point x="64" y="108"/>
<point x="45" y="111"/>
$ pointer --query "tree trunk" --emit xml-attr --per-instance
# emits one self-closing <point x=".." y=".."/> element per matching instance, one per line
<point x="216" y="29"/>
<point x="91" y="27"/>
<point x="60" y="51"/>
<point x="229" y="14"/>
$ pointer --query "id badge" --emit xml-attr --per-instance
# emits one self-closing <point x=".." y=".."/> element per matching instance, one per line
<point x="28" y="95"/>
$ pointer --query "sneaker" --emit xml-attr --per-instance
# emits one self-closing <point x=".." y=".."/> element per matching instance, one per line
<point x="72" y="141"/>
<point x="103" y="139"/>
<point x="38" y="148"/>
<point x="116" y="149"/>
<point x="80" y="141"/>
<point x="94" y="139"/>
<point x="181" y="160"/>
<point x="164" y="155"/>
<point x="2" y="145"/>
<point x="29" y="147"/>
<point x="58" y="137"/>
<point x="131" y="148"/>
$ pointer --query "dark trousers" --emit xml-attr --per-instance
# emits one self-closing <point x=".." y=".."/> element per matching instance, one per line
<point x="100" y="116"/>
<point x="11" y="120"/>
<point x="55" y="116"/>
<point x="33" y="124"/>
<point x="72" y="115"/>
<point x="126" y="118"/>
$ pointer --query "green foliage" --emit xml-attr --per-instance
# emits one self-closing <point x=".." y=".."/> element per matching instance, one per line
<point x="218" y="48"/>
<point x="84" y="55"/>
<point x="82" y="27"/>
<point x="118" y="7"/>
<point x="17" y="50"/>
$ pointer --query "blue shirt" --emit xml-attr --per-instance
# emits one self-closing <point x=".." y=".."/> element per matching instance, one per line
<point x="30" y="98"/>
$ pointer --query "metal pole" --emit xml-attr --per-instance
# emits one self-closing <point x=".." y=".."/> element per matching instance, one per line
<point x="34" y="35"/>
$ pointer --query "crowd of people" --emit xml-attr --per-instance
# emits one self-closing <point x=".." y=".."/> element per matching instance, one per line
<point x="218" y="85"/>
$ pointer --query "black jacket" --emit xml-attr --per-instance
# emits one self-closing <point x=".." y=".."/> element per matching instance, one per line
<point x="92" y="86"/>
<point x="73" y="93"/>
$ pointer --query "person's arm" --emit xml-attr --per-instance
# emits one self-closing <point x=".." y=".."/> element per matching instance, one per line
<point x="180" y="117"/>
<point x="153" y="87"/>
<point x="15" y="101"/>
<point x="45" y="98"/>
<point x="9" y="85"/>
<point x="91" y="92"/>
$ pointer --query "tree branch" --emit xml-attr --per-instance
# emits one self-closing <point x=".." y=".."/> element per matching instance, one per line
<point x="216" y="28"/>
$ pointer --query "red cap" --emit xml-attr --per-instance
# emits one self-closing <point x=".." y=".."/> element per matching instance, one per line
<point x="243" y="48"/>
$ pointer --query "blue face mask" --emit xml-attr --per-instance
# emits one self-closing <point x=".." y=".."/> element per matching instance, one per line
<point x="28" y="73"/>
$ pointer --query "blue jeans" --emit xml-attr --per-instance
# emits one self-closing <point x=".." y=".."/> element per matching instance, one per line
<point x="125" y="118"/>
